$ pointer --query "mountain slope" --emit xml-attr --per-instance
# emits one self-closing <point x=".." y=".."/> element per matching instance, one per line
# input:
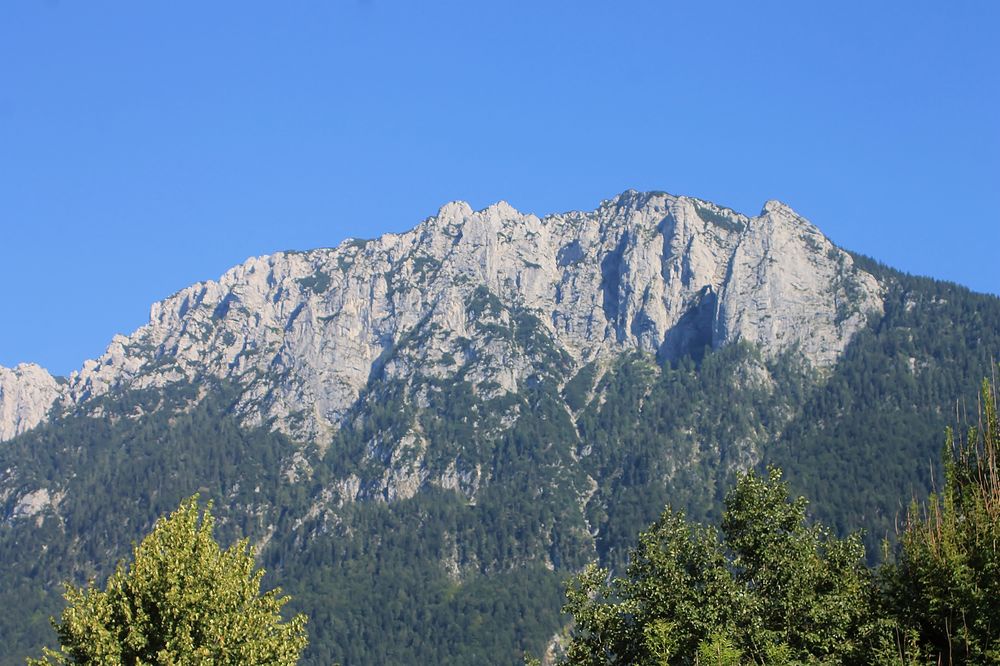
<point x="425" y="433"/>
<point x="302" y="332"/>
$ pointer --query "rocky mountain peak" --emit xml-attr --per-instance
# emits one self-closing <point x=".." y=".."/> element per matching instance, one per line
<point x="779" y="208"/>
<point x="631" y="199"/>
<point x="501" y="210"/>
<point x="27" y="392"/>
<point x="301" y="333"/>
<point x="453" y="212"/>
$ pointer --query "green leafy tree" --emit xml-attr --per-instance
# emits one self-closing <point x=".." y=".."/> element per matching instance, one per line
<point x="183" y="600"/>
<point x="945" y="588"/>
<point x="773" y="590"/>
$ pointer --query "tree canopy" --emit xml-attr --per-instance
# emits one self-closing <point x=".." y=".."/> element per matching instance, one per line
<point x="182" y="600"/>
<point x="945" y="585"/>
<point x="773" y="589"/>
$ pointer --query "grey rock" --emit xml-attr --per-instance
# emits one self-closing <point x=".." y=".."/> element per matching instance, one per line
<point x="27" y="392"/>
<point x="300" y="333"/>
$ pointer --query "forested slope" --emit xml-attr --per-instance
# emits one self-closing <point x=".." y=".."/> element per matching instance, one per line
<point x="532" y="485"/>
<point x="868" y="439"/>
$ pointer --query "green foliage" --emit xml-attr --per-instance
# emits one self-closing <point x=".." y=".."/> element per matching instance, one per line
<point x="182" y="600"/>
<point x="317" y="283"/>
<point x="773" y="590"/>
<point x="377" y="593"/>
<point x="117" y="474"/>
<point x="778" y="590"/>
<point x="535" y="490"/>
<point x="577" y="389"/>
<point x="436" y="578"/>
<point x="867" y="439"/>
<point x="719" y="650"/>
<point x="945" y="588"/>
<point x="676" y="434"/>
<point x="721" y="219"/>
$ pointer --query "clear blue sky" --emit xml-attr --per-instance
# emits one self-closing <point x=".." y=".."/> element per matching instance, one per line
<point x="147" y="145"/>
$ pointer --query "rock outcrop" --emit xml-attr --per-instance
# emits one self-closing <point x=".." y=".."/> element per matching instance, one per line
<point x="301" y="332"/>
<point x="27" y="392"/>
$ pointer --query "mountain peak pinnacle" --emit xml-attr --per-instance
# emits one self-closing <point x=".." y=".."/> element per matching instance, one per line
<point x="454" y="210"/>
<point x="502" y="209"/>
<point x="778" y="207"/>
<point x="627" y="276"/>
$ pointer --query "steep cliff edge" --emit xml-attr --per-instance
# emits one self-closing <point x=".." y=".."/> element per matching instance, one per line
<point x="27" y="392"/>
<point x="302" y="332"/>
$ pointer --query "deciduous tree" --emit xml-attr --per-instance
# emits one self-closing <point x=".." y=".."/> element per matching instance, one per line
<point x="773" y="590"/>
<point x="182" y="600"/>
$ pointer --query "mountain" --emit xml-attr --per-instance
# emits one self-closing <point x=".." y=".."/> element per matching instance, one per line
<point x="426" y="432"/>
<point x="27" y="393"/>
<point x="302" y="332"/>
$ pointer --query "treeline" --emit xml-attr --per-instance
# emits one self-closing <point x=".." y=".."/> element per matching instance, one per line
<point x="568" y="470"/>
<point x="867" y="439"/>
<point x="769" y="587"/>
<point x="110" y="477"/>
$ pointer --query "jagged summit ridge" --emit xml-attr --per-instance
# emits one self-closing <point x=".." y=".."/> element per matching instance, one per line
<point x="301" y="333"/>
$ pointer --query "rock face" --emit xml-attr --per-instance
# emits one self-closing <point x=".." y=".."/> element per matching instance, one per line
<point x="27" y="392"/>
<point x="301" y="332"/>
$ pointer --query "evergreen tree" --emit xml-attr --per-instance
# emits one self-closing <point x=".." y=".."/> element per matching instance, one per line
<point x="182" y="600"/>
<point x="945" y="589"/>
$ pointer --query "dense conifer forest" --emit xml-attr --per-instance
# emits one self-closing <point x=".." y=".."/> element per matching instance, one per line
<point x="770" y="587"/>
<point x="567" y="472"/>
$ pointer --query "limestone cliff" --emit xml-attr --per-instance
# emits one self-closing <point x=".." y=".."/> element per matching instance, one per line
<point x="301" y="332"/>
<point x="27" y="392"/>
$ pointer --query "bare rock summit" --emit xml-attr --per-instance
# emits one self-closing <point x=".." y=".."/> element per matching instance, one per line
<point x="301" y="333"/>
<point x="27" y="392"/>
